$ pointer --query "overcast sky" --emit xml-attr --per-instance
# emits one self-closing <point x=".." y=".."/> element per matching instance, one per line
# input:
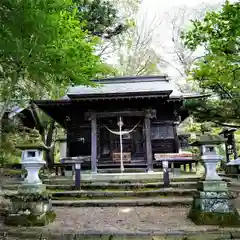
<point x="164" y="10"/>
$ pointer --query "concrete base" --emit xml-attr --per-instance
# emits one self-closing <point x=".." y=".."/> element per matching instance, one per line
<point x="220" y="202"/>
<point x="30" y="219"/>
<point x="30" y="210"/>
<point x="31" y="189"/>
<point x="34" y="207"/>
<point x="212" y="186"/>
<point x="223" y="219"/>
<point x="213" y="205"/>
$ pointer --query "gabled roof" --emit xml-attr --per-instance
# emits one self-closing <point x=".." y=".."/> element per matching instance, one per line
<point x="135" y="87"/>
<point x="128" y="87"/>
<point x="124" y="86"/>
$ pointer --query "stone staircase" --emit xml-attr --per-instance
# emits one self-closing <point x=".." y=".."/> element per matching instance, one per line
<point x="124" y="193"/>
<point x="136" y="192"/>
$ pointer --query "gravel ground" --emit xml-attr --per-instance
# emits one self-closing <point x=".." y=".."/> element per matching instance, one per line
<point x="123" y="219"/>
<point x="119" y="219"/>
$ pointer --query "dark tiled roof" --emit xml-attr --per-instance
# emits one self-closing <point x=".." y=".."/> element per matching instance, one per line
<point x="124" y="86"/>
<point x="127" y="86"/>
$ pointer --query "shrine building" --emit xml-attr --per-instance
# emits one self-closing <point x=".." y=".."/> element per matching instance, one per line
<point x="148" y="110"/>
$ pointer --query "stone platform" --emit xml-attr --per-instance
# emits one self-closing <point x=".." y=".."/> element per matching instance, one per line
<point x="213" y="205"/>
<point x="109" y="177"/>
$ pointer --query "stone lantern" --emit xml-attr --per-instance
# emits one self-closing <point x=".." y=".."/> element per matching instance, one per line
<point x="32" y="161"/>
<point x="208" y="152"/>
<point x="32" y="205"/>
<point x="212" y="205"/>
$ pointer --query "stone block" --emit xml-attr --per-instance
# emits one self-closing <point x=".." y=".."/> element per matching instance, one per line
<point x="30" y="210"/>
<point x="214" y="208"/>
<point x="31" y="188"/>
<point x="213" y="195"/>
<point x="34" y="207"/>
<point x="219" y="203"/>
<point x="29" y="219"/>
<point x="212" y="186"/>
<point x="223" y="219"/>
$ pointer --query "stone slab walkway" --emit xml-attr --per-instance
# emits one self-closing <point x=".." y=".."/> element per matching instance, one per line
<point x="118" y="220"/>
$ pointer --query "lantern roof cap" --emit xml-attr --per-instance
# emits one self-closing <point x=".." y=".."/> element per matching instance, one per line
<point x="33" y="141"/>
<point x="208" y="139"/>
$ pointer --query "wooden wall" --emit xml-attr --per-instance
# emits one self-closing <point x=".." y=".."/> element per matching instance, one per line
<point x="164" y="138"/>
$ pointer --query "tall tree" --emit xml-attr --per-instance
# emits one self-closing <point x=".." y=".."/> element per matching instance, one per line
<point x="40" y="43"/>
<point x="175" y="56"/>
<point x="101" y="18"/>
<point x="218" y="72"/>
<point x="43" y="43"/>
<point x="131" y="53"/>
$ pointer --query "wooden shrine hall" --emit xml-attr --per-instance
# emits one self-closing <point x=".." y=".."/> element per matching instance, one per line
<point x="144" y="110"/>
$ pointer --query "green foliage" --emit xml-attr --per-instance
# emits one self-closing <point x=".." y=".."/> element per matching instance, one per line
<point x="215" y="110"/>
<point x="41" y="42"/>
<point x="100" y="17"/>
<point x="44" y="47"/>
<point x="12" y="172"/>
<point x="218" y="71"/>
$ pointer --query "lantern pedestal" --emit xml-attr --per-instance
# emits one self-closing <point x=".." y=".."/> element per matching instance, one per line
<point x="32" y="205"/>
<point x="32" y="183"/>
<point x="212" y="205"/>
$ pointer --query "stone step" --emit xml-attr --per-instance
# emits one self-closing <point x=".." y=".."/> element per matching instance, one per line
<point x="105" y="186"/>
<point x="69" y="180"/>
<point x="140" y="164"/>
<point x="180" y="201"/>
<point x="118" y="170"/>
<point x="74" y="195"/>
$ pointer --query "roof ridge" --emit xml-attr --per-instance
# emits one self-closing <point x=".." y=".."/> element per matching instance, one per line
<point x="132" y="79"/>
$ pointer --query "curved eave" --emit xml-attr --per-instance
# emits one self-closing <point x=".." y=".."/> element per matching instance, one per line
<point x="49" y="106"/>
<point x="189" y="96"/>
<point x="129" y="95"/>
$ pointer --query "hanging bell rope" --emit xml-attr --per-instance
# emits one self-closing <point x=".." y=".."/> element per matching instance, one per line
<point x="122" y="132"/>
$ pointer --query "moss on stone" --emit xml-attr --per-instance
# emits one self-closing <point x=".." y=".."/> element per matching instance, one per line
<point x="103" y="197"/>
<point x="30" y="220"/>
<point x="27" y="197"/>
<point x="200" y="217"/>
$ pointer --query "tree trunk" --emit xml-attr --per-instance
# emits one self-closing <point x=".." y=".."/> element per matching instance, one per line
<point x="37" y="120"/>
<point x="49" y="139"/>
<point x="47" y="136"/>
<point x="3" y="110"/>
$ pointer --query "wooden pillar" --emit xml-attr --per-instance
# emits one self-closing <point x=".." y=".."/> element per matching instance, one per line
<point x="147" y="123"/>
<point x="176" y="140"/>
<point x="94" y="143"/>
<point x="77" y="168"/>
